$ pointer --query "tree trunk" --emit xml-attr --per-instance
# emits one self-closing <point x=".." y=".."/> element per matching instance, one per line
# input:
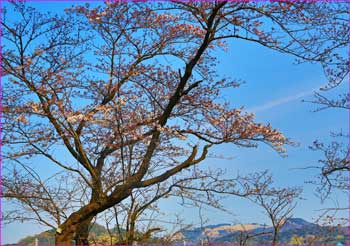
<point x="79" y="234"/>
<point x="64" y="239"/>
<point x="275" y="237"/>
<point x="67" y="231"/>
<point x="82" y="230"/>
<point x="82" y="233"/>
<point x="131" y="235"/>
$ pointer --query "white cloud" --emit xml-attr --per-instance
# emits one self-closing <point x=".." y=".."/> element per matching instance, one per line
<point x="281" y="101"/>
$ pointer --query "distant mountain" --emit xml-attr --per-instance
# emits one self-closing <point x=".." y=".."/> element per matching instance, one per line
<point x="214" y="232"/>
<point x="297" y="223"/>
<point x="218" y="225"/>
<point x="295" y="230"/>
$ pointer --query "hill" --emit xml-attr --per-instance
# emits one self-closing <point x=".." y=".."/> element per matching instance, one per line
<point x="48" y="237"/>
<point x="295" y="231"/>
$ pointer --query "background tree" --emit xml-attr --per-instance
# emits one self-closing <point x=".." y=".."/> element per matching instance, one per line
<point x="245" y="236"/>
<point x="96" y="85"/>
<point x="197" y="189"/>
<point x="334" y="164"/>
<point x="277" y="203"/>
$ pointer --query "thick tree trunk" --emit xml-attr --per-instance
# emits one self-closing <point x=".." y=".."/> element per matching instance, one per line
<point x="73" y="234"/>
<point x="82" y="233"/>
<point x="79" y="234"/>
<point x="64" y="239"/>
<point x="79" y="231"/>
<point x="77" y="220"/>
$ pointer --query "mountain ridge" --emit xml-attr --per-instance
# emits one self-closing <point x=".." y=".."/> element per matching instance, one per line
<point x="295" y="229"/>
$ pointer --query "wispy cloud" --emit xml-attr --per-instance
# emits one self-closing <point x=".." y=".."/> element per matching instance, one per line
<point x="281" y="101"/>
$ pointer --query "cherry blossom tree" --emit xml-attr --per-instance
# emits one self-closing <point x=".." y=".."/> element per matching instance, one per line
<point x="279" y="208"/>
<point x="277" y="203"/>
<point x="126" y="95"/>
<point x="334" y="165"/>
<point x="136" y="217"/>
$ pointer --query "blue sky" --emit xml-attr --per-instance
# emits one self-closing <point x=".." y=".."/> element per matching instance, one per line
<point x="273" y="90"/>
